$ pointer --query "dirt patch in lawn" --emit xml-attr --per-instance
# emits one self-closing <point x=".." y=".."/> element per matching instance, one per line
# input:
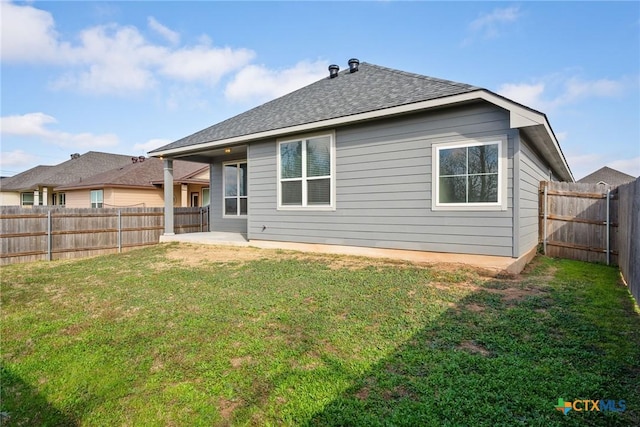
<point x="236" y="362"/>
<point x="227" y="407"/>
<point x="195" y="255"/>
<point x="473" y="347"/>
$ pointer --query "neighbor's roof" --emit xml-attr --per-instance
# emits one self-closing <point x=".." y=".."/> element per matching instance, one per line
<point x="371" y="88"/>
<point x="72" y="170"/>
<point x="370" y="93"/>
<point x="607" y="175"/>
<point x="142" y="174"/>
<point x="24" y="179"/>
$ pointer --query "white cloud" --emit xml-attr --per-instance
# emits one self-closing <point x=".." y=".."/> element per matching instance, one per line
<point x="113" y="59"/>
<point x="204" y="63"/>
<point x="32" y="124"/>
<point x="524" y="93"/>
<point x="551" y="92"/>
<point x="35" y="125"/>
<point x="490" y="25"/>
<point x="584" y="164"/>
<point x="489" y="22"/>
<point x="151" y="144"/>
<point x="170" y="35"/>
<point x="28" y="34"/>
<point x="562" y="136"/>
<point x="16" y="160"/>
<point x="628" y="166"/>
<point x="258" y="83"/>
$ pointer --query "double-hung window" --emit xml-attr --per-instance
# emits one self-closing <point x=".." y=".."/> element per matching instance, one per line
<point x="306" y="173"/>
<point x="469" y="175"/>
<point x="26" y="199"/>
<point x="96" y="198"/>
<point x="235" y="188"/>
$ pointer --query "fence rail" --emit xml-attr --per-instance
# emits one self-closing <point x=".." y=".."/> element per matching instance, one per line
<point x="47" y="233"/>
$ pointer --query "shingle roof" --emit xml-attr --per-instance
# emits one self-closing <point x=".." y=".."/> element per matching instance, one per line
<point x="25" y="180"/>
<point x="140" y="174"/>
<point x="608" y="176"/>
<point x="72" y="170"/>
<point x="371" y="88"/>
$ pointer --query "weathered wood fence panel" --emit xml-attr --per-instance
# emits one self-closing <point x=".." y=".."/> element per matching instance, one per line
<point x="629" y="236"/>
<point x="579" y="221"/>
<point x="47" y="232"/>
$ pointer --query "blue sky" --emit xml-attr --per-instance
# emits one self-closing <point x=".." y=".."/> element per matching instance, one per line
<point x="127" y="77"/>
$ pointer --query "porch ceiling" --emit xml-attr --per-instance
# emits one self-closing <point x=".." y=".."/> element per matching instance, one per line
<point x="220" y="153"/>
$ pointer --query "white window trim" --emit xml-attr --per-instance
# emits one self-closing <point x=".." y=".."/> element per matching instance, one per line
<point x="500" y="205"/>
<point x="332" y="173"/>
<point x="97" y="202"/>
<point x="224" y="184"/>
<point x="33" y="199"/>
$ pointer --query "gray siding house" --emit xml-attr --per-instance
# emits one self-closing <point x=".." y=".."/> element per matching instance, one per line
<point x="380" y="158"/>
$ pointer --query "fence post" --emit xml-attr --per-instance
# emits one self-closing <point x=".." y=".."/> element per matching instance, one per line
<point x="544" y="224"/>
<point x="201" y="213"/>
<point x="608" y="226"/>
<point x="119" y="231"/>
<point x="49" y="239"/>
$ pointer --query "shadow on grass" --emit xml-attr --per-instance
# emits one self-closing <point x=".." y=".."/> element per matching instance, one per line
<point x="33" y="410"/>
<point x="503" y="355"/>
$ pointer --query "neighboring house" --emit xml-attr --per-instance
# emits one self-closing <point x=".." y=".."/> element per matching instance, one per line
<point x="36" y="185"/>
<point x="381" y="158"/>
<point x="139" y="184"/>
<point x="607" y="175"/>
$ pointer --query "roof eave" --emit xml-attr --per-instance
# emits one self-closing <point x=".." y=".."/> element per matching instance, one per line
<point x="520" y="117"/>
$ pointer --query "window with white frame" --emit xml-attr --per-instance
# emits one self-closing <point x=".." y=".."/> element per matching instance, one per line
<point x="58" y="199"/>
<point x="235" y="188"/>
<point x="305" y="173"/>
<point x="96" y="199"/>
<point x="26" y="199"/>
<point x="469" y="175"/>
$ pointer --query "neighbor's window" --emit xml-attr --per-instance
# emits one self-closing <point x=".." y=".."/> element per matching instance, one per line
<point x="58" y="199"/>
<point x="235" y="188"/>
<point x="206" y="198"/>
<point x="26" y="199"/>
<point x="468" y="174"/>
<point x="306" y="172"/>
<point x="96" y="198"/>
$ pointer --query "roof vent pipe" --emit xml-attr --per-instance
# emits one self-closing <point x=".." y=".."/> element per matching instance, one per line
<point x="353" y="65"/>
<point x="333" y="71"/>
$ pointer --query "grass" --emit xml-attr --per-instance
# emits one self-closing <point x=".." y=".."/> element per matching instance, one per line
<point x="187" y="335"/>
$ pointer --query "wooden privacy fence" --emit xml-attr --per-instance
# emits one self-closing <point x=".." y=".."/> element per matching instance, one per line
<point x="579" y="221"/>
<point x="48" y="233"/>
<point x="593" y="222"/>
<point x="629" y="235"/>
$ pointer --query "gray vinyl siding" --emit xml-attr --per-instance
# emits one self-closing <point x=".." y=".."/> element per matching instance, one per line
<point x="218" y="221"/>
<point x="532" y="171"/>
<point x="383" y="188"/>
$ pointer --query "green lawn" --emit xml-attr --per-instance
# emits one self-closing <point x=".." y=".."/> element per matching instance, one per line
<point x="188" y="335"/>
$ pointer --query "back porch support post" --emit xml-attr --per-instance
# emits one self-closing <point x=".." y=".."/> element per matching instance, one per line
<point x="168" y="197"/>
